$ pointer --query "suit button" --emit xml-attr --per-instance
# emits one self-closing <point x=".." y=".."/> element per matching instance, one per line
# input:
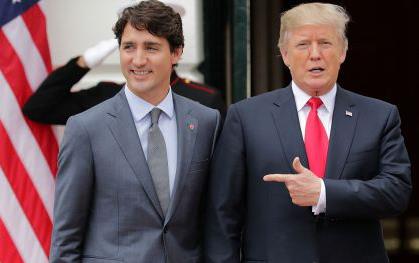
<point x="165" y="230"/>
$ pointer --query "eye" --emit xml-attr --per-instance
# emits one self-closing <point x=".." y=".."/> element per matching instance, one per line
<point x="302" y="45"/>
<point x="128" y="47"/>
<point x="325" y="43"/>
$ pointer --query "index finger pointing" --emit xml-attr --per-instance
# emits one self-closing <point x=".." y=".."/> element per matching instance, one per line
<point x="281" y="178"/>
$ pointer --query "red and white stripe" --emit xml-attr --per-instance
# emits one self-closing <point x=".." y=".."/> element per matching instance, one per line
<point x="28" y="150"/>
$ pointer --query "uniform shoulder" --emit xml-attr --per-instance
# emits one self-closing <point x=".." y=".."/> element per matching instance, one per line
<point x="192" y="85"/>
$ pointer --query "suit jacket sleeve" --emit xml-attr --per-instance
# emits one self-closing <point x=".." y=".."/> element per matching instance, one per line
<point x="385" y="194"/>
<point x="53" y="103"/>
<point x="73" y="193"/>
<point x="225" y="205"/>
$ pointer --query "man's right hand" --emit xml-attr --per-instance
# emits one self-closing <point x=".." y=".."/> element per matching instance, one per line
<point x="304" y="186"/>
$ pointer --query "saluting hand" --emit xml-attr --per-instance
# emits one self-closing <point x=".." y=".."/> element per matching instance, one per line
<point x="304" y="186"/>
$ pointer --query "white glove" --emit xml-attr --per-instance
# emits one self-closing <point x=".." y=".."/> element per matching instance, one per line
<point x="95" y="55"/>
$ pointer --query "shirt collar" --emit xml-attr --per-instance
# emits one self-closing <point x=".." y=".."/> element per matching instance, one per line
<point x="301" y="98"/>
<point x="140" y="108"/>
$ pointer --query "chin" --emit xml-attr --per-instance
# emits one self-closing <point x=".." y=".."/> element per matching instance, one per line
<point x="317" y="88"/>
<point x="137" y="87"/>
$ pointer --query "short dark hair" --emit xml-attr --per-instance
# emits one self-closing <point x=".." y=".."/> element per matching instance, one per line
<point x="155" y="17"/>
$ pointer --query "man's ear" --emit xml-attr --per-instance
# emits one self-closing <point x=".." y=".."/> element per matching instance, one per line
<point x="176" y="55"/>
<point x="342" y="56"/>
<point x="284" y="55"/>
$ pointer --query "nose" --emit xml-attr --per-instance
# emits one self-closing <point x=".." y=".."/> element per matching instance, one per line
<point x="314" y="52"/>
<point x="140" y="59"/>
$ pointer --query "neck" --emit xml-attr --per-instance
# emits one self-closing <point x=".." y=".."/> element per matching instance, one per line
<point x="153" y="97"/>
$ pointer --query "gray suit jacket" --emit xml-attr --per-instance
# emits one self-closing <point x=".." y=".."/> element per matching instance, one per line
<point x="106" y="208"/>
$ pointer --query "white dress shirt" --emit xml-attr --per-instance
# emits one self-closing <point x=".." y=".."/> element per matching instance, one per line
<point x="325" y="113"/>
<point x="140" y="110"/>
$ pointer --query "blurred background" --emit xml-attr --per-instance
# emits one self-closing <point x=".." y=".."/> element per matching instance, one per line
<point x="74" y="26"/>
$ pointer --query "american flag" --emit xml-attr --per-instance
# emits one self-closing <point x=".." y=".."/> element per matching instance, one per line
<point x="28" y="150"/>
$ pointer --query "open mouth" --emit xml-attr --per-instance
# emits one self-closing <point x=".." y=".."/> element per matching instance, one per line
<point x="316" y="70"/>
<point x="140" y="72"/>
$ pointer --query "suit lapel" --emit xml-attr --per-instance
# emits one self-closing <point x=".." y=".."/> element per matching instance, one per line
<point x="284" y="113"/>
<point x="122" y="126"/>
<point x="187" y="128"/>
<point x="344" y="121"/>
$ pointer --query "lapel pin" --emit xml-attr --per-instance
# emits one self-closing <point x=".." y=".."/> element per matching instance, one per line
<point x="348" y="113"/>
<point x="191" y="126"/>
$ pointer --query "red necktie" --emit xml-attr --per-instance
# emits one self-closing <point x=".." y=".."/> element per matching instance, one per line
<point x="316" y="140"/>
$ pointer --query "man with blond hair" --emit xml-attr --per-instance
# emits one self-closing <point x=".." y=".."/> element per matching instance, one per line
<point x="305" y="173"/>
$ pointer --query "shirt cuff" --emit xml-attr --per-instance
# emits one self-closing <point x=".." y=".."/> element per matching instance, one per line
<point x="321" y="203"/>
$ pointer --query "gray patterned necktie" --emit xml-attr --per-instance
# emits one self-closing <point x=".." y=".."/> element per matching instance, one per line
<point x="157" y="160"/>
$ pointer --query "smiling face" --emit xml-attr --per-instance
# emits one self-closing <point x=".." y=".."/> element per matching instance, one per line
<point x="314" y="54"/>
<point x="146" y="62"/>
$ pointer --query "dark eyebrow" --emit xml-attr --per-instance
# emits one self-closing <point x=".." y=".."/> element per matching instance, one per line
<point x="151" y="43"/>
<point x="127" y="43"/>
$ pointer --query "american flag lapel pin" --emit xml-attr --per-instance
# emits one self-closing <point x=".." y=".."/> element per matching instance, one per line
<point x="348" y="113"/>
<point x="191" y="126"/>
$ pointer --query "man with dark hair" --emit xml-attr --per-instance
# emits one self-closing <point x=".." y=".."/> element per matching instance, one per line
<point x="54" y="101"/>
<point x="132" y="169"/>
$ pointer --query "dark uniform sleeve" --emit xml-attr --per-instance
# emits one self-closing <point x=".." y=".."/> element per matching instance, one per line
<point x="54" y="103"/>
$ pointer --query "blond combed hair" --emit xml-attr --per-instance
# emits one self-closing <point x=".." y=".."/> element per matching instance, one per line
<point x="314" y="14"/>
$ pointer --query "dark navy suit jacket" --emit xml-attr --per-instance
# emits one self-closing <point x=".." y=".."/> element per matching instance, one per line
<point x="367" y="178"/>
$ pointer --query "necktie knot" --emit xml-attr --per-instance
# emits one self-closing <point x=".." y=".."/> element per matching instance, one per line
<point x="155" y="114"/>
<point x="315" y="103"/>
